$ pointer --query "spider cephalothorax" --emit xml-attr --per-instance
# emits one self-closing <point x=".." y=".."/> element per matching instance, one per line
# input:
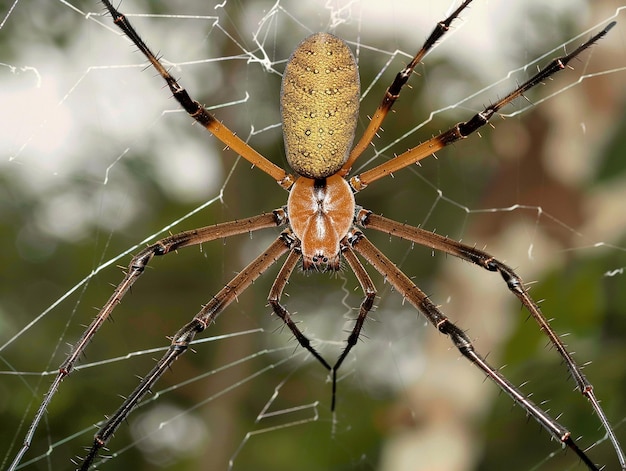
<point x="320" y="213"/>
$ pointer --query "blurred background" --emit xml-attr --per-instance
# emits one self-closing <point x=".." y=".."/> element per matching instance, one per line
<point x="97" y="160"/>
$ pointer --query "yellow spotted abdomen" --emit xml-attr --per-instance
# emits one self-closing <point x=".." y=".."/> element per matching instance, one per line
<point x="319" y="105"/>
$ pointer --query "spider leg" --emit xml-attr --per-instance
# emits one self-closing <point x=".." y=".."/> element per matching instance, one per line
<point x="369" y="291"/>
<point x="368" y="302"/>
<point x="393" y="92"/>
<point x="135" y="270"/>
<point x="196" y="110"/>
<point x="461" y="341"/>
<point x="274" y="300"/>
<point x="464" y="129"/>
<point x="181" y="340"/>
<point x="515" y="285"/>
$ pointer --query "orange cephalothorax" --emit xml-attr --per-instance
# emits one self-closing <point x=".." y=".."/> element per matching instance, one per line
<point x="320" y="214"/>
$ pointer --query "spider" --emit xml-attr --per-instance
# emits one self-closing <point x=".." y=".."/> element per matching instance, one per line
<point x="323" y="225"/>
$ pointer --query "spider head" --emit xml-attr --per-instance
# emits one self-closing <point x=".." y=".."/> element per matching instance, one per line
<point x="320" y="262"/>
<point x="320" y="214"/>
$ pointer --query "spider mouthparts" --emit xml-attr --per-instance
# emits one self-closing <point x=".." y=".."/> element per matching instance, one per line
<point x="320" y="263"/>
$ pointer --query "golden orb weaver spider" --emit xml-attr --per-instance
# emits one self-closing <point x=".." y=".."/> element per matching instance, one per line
<point x="321" y="204"/>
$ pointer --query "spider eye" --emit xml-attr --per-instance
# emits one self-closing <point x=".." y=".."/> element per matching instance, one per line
<point x="321" y="262"/>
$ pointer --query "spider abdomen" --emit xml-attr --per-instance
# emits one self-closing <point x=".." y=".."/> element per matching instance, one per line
<point x="319" y="105"/>
<point x="320" y="214"/>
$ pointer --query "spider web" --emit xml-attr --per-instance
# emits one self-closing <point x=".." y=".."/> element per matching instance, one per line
<point x="97" y="162"/>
